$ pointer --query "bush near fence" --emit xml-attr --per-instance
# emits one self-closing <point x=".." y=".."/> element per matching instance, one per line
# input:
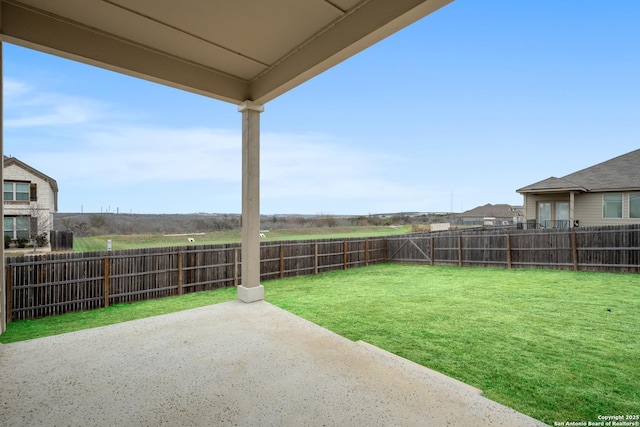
<point x="44" y="285"/>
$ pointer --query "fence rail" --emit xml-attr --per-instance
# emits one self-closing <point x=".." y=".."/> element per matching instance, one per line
<point x="44" y="285"/>
<point x="611" y="249"/>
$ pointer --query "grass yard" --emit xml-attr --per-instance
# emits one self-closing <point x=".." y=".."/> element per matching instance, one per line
<point x="137" y="241"/>
<point x="556" y="345"/>
<point x="38" y="328"/>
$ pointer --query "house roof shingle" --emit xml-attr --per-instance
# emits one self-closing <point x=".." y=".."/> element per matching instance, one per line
<point x="489" y="210"/>
<point x="619" y="173"/>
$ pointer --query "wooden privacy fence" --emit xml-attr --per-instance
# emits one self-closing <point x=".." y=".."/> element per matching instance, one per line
<point x="61" y="240"/>
<point x="612" y="248"/>
<point x="45" y="285"/>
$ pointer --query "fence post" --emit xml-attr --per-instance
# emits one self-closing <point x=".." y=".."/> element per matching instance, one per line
<point x="509" y="251"/>
<point x="432" y="250"/>
<point x="235" y="267"/>
<point x="574" y="250"/>
<point x="344" y="254"/>
<point x="281" y="260"/>
<point x="366" y="252"/>
<point x="106" y="281"/>
<point x="459" y="251"/>
<point x="9" y="288"/>
<point x="315" y="258"/>
<point x="180" y="279"/>
<point x="385" y="251"/>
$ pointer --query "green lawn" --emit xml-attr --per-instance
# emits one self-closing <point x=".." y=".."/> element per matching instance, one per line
<point x="137" y="241"/>
<point x="28" y="329"/>
<point x="556" y="345"/>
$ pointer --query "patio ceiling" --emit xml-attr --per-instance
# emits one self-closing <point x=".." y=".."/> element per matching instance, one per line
<point x="229" y="50"/>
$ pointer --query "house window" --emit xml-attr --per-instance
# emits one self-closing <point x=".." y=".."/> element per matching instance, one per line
<point x="562" y="214"/>
<point x="17" y="191"/>
<point x="612" y="206"/>
<point x="544" y="214"/>
<point x="634" y="205"/>
<point x="17" y="227"/>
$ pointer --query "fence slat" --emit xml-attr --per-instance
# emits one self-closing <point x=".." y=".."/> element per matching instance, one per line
<point x="106" y="281"/>
<point x="61" y="283"/>
<point x="51" y="284"/>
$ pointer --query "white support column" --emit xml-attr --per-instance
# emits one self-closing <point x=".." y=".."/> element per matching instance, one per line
<point x="3" y="285"/>
<point x="250" y="289"/>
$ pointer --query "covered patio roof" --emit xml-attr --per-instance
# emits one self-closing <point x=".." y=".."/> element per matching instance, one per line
<point x="229" y="50"/>
<point x="246" y="52"/>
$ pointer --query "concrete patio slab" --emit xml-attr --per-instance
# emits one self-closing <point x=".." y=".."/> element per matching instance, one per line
<point x="228" y="364"/>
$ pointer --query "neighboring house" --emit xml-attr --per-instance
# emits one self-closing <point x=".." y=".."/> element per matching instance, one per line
<point x="605" y="194"/>
<point x="30" y="200"/>
<point x="492" y="215"/>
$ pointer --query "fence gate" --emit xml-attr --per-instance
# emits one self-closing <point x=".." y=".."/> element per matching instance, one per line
<point x="409" y="249"/>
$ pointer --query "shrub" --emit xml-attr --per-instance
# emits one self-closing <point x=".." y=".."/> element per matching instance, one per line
<point x="42" y="240"/>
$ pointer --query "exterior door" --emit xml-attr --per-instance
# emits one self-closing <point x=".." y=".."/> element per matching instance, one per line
<point x="544" y="214"/>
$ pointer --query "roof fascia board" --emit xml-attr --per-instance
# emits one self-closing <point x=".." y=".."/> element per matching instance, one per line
<point x="362" y="27"/>
<point x="41" y="31"/>
<point x="615" y="190"/>
<point x="552" y="190"/>
<point x="579" y="189"/>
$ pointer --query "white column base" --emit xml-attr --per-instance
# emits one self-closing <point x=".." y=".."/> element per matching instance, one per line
<point x="252" y="294"/>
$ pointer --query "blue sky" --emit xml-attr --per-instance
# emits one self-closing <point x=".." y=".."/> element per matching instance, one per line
<point x="459" y="110"/>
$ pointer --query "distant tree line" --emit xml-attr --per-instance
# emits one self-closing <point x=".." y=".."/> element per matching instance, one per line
<point x="99" y="224"/>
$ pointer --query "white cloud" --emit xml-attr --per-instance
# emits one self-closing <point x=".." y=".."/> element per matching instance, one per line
<point x="12" y="88"/>
<point x="144" y="153"/>
<point x="25" y="107"/>
<point x="88" y="149"/>
<point x="317" y="167"/>
<point x="69" y="114"/>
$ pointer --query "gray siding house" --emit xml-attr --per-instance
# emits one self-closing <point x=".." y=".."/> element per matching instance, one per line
<point x="30" y="200"/>
<point x="605" y="194"/>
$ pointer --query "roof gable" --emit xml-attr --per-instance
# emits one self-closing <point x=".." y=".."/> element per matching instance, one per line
<point x="8" y="161"/>
<point x="551" y="184"/>
<point x="489" y="210"/>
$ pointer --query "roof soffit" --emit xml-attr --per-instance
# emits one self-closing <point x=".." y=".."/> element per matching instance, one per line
<point x="363" y="26"/>
<point x="233" y="51"/>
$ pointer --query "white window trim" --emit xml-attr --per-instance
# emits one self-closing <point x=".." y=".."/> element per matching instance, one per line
<point x="621" y="217"/>
<point x="633" y="193"/>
